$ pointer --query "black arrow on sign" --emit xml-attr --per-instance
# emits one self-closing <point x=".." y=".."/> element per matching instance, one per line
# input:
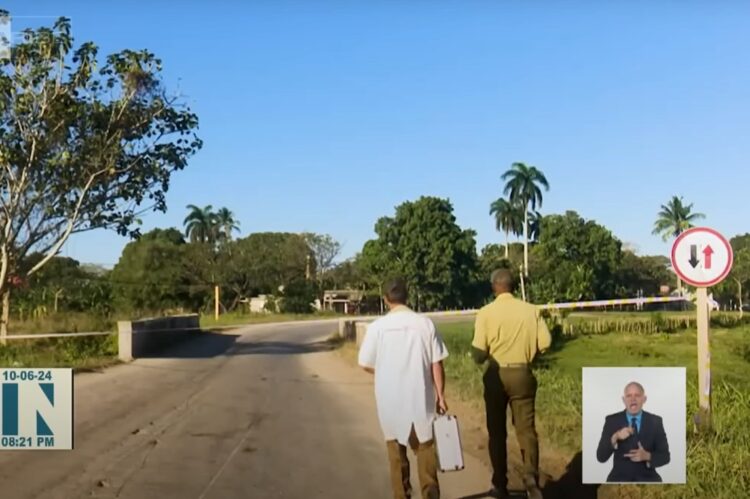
<point x="694" y="255"/>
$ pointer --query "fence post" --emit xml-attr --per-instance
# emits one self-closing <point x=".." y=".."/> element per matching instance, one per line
<point x="125" y="340"/>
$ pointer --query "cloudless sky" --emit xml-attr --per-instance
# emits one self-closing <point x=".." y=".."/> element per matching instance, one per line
<point x="323" y="116"/>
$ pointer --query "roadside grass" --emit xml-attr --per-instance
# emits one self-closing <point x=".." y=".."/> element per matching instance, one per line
<point x="718" y="464"/>
<point x="81" y="353"/>
<point x="63" y="322"/>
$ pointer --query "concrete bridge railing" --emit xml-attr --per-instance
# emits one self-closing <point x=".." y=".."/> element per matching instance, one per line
<point x="142" y="337"/>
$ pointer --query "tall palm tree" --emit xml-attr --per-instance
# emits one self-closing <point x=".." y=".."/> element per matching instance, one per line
<point x="200" y="224"/>
<point x="673" y="219"/>
<point x="226" y="224"/>
<point x="523" y="183"/>
<point x="508" y="219"/>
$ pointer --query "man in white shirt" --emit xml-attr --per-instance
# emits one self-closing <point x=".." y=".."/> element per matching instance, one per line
<point x="406" y="354"/>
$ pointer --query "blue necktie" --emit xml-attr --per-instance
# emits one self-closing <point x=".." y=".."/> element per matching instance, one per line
<point x="633" y="425"/>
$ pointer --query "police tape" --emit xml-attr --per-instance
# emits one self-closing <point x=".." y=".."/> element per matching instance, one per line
<point x="615" y="302"/>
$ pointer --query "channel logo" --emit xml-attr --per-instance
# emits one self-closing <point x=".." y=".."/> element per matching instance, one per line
<point x="36" y="406"/>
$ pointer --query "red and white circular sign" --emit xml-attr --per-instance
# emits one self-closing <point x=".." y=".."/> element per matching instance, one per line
<point x="702" y="257"/>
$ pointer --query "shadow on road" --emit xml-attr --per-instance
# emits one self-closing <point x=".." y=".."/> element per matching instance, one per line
<point x="203" y="345"/>
<point x="570" y="485"/>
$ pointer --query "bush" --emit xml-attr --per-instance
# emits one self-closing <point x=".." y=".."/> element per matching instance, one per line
<point x="298" y="298"/>
<point x="76" y="351"/>
<point x="272" y="305"/>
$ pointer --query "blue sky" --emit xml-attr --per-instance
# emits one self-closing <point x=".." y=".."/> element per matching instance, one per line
<point x="323" y="116"/>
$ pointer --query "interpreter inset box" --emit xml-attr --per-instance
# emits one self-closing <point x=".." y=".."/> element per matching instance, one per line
<point x="634" y="426"/>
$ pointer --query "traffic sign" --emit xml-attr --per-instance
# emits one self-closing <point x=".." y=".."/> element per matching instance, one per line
<point x="701" y="257"/>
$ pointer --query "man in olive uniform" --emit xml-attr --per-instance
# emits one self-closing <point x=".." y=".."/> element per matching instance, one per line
<point x="509" y="333"/>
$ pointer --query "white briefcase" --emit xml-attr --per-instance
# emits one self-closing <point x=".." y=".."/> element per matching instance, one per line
<point x="448" y="443"/>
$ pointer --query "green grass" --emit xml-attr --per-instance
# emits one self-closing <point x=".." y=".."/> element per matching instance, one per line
<point x="63" y="322"/>
<point x="718" y="464"/>
<point x="80" y="353"/>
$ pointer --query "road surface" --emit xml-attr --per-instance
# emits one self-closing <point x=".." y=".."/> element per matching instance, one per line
<point x="263" y="412"/>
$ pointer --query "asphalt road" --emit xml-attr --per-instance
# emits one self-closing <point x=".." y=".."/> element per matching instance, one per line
<point x="264" y="412"/>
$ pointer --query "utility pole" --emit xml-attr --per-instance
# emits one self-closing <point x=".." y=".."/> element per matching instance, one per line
<point x="216" y="302"/>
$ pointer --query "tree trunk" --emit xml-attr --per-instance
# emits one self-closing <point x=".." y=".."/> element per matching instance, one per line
<point x="5" y="317"/>
<point x="57" y="296"/>
<point x="526" y="240"/>
<point x="506" y="244"/>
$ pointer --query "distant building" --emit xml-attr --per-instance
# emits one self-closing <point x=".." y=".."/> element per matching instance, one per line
<point x="256" y="304"/>
<point x="343" y="301"/>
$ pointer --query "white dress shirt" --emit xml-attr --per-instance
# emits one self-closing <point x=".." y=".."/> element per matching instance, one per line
<point x="401" y="347"/>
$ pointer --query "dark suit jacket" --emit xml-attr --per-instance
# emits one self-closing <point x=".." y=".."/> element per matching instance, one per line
<point x="652" y="438"/>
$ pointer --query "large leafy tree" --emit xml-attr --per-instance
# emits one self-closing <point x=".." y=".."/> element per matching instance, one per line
<point x="642" y="273"/>
<point x="324" y="250"/>
<point x="263" y="262"/>
<point x="150" y="275"/>
<point x="673" y="219"/>
<point x="84" y="144"/>
<point x="347" y="274"/>
<point x="508" y="219"/>
<point x="524" y="186"/>
<point x="424" y="243"/>
<point x="575" y="259"/>
<point x="737" y="284"/>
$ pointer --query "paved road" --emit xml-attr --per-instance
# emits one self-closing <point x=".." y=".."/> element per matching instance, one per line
<point x="266" y="412"/>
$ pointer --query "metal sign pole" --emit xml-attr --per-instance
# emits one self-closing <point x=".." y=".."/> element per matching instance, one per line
<point x="702" y="257"/>
<point x="704" y="362"/>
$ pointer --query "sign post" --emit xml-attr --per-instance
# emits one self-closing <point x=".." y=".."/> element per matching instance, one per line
<point x="702" y="258"/>
<point x="216" y="302"/>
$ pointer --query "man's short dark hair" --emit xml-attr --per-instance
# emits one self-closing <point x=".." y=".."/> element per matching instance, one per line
<point x="395" y="290"/>
<point x="503" y="279"/>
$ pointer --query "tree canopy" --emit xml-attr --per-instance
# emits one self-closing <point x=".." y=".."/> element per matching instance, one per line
<point x="84" y="144"/>
<point x="423" y="243"/>
<point x="575" y="259"/>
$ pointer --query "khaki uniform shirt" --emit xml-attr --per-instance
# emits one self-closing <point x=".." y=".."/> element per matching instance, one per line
<point x="511" y="330"/>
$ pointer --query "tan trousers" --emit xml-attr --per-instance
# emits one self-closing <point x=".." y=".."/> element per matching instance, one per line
<point x="426" y="463"/>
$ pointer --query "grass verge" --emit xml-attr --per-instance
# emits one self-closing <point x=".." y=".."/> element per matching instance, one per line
<point x="82" y="353"/>
<point x="718" y="464"/>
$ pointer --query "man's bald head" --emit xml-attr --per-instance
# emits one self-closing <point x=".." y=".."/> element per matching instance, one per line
<point x="502" y="281"/>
